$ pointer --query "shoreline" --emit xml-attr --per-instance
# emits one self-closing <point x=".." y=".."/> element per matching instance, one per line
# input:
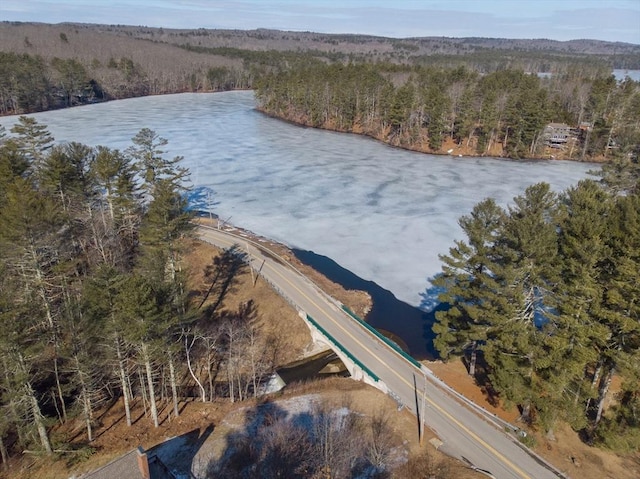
<point x="416" y="149"/>
<point x="377" y="306"/>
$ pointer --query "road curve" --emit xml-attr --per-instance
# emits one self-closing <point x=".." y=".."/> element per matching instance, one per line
<point x="465" y="434"/>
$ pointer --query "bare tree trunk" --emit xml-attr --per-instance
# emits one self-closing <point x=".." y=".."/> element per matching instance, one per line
<point x="39" y="420"/>
<point x="50" y="321"/>
<point x="193" y="375"/>
<point x="152" y="394"/>
<point x="86" y="401"/>
<point x="209" y="374"/>
<point x="490" y="142"/>
<point x="58" y="386"/>
<point x="506" y="137"/>
<point x="174" y="387"/>
<point x="88" y="416"/>
<point x="257" y="359"/>
<point x="244" y="392"/>
<point x="231" y="383"/>
<point x="97" y="240"/>
<point x="55" y="405"/>
<point x="143" y="390"/>
<point x="606" y="383"/>
<point x="123" y="382"/>
<point x="609" y="137"/>
<point x="473" y="359"/>
<point x="3" y="454"/>
<point x="230" y="361"/>
<point x="12" y="406"/>
<point x="525" y="416"/>
<point x="586" y="144"/>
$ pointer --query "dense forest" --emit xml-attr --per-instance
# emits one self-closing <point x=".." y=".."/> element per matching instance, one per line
<point x="544" y="302"/>
<point x="445" y="95"/>
<point x="461" y="111"/>
<point x="93" y="302"/>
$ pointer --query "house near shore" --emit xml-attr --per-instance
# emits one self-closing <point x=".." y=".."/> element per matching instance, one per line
<point x="557" y="135"/>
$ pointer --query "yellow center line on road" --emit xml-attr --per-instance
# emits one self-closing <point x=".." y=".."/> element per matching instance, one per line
<point x="434" y="404"/>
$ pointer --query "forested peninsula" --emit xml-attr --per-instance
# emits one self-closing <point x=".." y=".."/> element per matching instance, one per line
<point x="459" y="111"/>
<point x="472" y="96"/>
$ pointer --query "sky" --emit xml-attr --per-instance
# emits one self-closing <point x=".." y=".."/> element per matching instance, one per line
<point x="611" y="20"/>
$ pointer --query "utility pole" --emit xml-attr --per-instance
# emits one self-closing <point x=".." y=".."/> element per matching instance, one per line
<point x="253" y="281"/>
<point x="259" y="271"/>
<point x="209" y="207"/>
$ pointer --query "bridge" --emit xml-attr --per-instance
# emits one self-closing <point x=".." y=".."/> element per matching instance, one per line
<point x="467" y="431"/>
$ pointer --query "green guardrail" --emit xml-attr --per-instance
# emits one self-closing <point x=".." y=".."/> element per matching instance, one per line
<point x="390" y="343"/>
<point x="341" y="348"/>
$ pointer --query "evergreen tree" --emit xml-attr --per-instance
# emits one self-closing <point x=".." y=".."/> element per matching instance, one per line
<point x="142" y="312"/>
<point x="583" y="248"/>
<point x="147" y="153"/>
<point x="100" y="305"/>
<point x="619" y="317"/>
<point x="32" y="140"/>
<point x="23" y="355"/>
<point x="469" y="283"/>
<point x="531" y="363"/>
<point x="119" y="212"/>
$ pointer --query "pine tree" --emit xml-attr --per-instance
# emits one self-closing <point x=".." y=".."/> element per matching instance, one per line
<point x="100" y="305"/>
<point x="532" y="363"/>
<point x="142" y="313"/>
<point x="619" y="348"/>
<point x="85" y="350"/>
<point x="469" y="284"/>
<point x="22" y="355"/>
<point x="33" y="140"/>
<point x="147" y="153"/>
<point x="64" y="174"/>
<point x="118" y="213"/>
<point x="583" y="250"/>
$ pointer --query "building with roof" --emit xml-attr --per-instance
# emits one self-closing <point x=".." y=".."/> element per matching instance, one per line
<point x="135" y="464"/>
<point x="556" y="135"/>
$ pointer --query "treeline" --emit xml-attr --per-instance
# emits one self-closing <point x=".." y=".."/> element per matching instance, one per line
<point x="54" y="66"/>
<point x="94" y="302"/>
<point x="29" y="83"/>
<point x="544" y="296"/>
<point x="502" y="113"/>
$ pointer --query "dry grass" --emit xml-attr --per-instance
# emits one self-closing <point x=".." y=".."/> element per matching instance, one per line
<point x="277" y="318"/>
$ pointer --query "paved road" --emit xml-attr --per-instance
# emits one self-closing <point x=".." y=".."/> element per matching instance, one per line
<point x="465" y="434"/>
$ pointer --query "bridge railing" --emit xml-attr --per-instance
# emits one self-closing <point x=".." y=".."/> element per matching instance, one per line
<point x="382" y="337"/>
<point x="343" y="350"/>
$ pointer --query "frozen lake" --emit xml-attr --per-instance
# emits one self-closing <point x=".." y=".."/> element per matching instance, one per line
<point x="383" y="213"/>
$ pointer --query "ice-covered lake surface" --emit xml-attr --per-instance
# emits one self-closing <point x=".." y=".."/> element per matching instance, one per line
<point x="381" y="212"/>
